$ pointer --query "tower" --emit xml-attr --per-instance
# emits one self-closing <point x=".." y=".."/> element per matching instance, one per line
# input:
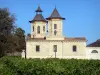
<point x="38" y="25"/>
<point x="55" y="22"/>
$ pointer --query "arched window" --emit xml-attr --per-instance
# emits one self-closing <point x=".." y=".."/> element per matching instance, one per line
<point x="38" y="29"/>
<point x="55" y="26"/>
<point x="94" y="51"/>
<point x="43" y="28"/>
<point x="33" y="28"/>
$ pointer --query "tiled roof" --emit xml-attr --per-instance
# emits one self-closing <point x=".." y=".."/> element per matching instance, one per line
<point x="65" y="39"/>
<point x="95" y="44"/>
<point x="55" y="15"/>
<point x="38" y="17"/>
<point x="76" y="39"/>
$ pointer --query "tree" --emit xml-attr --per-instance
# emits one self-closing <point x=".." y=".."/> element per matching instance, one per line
<point x="7" y="22"/>
<point x="19" y="33"/>
<point x="11" y="38"/>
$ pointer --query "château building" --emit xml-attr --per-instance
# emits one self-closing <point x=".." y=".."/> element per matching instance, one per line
<point x="47" y="40"/>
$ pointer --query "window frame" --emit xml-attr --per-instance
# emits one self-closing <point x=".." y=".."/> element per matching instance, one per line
<point x="55" y="26"/>
<point x="37" y="48"/>
<point x="44" y="28"/>
<point x="74" y="48"/>
<point x="94" y="51"/>
<point x="38" y="29"/>
<point x="55" y="48"/>
<point x="33" y="28"/>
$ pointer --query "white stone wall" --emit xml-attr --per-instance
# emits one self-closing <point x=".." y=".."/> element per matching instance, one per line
<point x="59" y="35"/>
<point x="14" y="54"/>
<point x="36" y="24"/>
<point x="51" y="27"/>
<point x="68" y="49"/>
<point x="64" y="49"/>
<point x="91" y="55"/>
<point x="31" y="49"/>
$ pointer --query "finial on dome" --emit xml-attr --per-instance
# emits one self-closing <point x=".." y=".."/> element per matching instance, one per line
<point x="39" y="9"/>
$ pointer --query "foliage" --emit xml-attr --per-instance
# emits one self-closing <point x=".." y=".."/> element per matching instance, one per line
<point x="19" y="33"/>
<point x="11" y="38"/>
<point x="21" y="66"/>
<point x="7" y="21"/>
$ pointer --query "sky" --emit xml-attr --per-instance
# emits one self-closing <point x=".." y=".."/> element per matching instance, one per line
<point x="82" y="16"/>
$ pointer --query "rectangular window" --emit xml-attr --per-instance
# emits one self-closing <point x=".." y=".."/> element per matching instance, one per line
<point x="43" y="28"/>
<point x="37" y="48"/>
<point x="55" y="26"/>
<point x="74" y="48"/>
<point x="55" y="48"/>
<point x="38" y="29"/>
<point x="33" y="28"/>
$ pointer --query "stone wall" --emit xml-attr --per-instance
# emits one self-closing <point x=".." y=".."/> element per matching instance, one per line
<point x="93" y="52"/>
<point x="64" y="49"/>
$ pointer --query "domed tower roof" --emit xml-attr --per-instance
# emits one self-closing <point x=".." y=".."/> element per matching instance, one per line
<point x="38" y="16"/>
<point x="38" y="9"/>
<point x="55" y="15"/>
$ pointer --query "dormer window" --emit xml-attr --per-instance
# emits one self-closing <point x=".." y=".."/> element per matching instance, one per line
<point x="55" y="26"/>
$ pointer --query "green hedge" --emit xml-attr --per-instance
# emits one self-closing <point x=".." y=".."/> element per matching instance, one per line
<point x="20" y="66"/>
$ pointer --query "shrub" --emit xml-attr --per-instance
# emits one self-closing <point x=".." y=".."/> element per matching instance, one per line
<point x="20" y="66"/>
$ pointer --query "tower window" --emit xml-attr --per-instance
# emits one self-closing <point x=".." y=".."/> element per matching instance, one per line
<point x="33" y="28"/>
<point x="55" y="26"/>
<point x="43" y="28"/>
<point x="37" y="48"/>
<point x="55" y="48"/>
<point x="55" y="32"/>
<point x="74" y="48"/>
<point x="38" y="29"/>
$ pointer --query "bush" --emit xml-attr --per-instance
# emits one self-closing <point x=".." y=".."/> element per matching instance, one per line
<point x="20" y="66"/>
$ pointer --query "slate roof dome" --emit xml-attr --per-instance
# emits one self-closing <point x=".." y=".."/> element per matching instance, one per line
<point x="38" y="16"/>
<point x="55" y="15"/>
<point x="38" y="9"/>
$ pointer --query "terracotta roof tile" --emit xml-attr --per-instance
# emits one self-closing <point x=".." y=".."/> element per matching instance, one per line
<point x="75" y="39"/>
<point x="65" y="39"/>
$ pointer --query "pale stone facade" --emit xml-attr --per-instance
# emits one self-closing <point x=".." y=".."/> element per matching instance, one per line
<point x="34" y="33"/>
<point x="48" y="40"/>
<point x="64" y="49"/>
<point x="93" y="53"/>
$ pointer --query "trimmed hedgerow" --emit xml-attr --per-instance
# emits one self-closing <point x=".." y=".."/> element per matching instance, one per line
<point x="20" y="66"/>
